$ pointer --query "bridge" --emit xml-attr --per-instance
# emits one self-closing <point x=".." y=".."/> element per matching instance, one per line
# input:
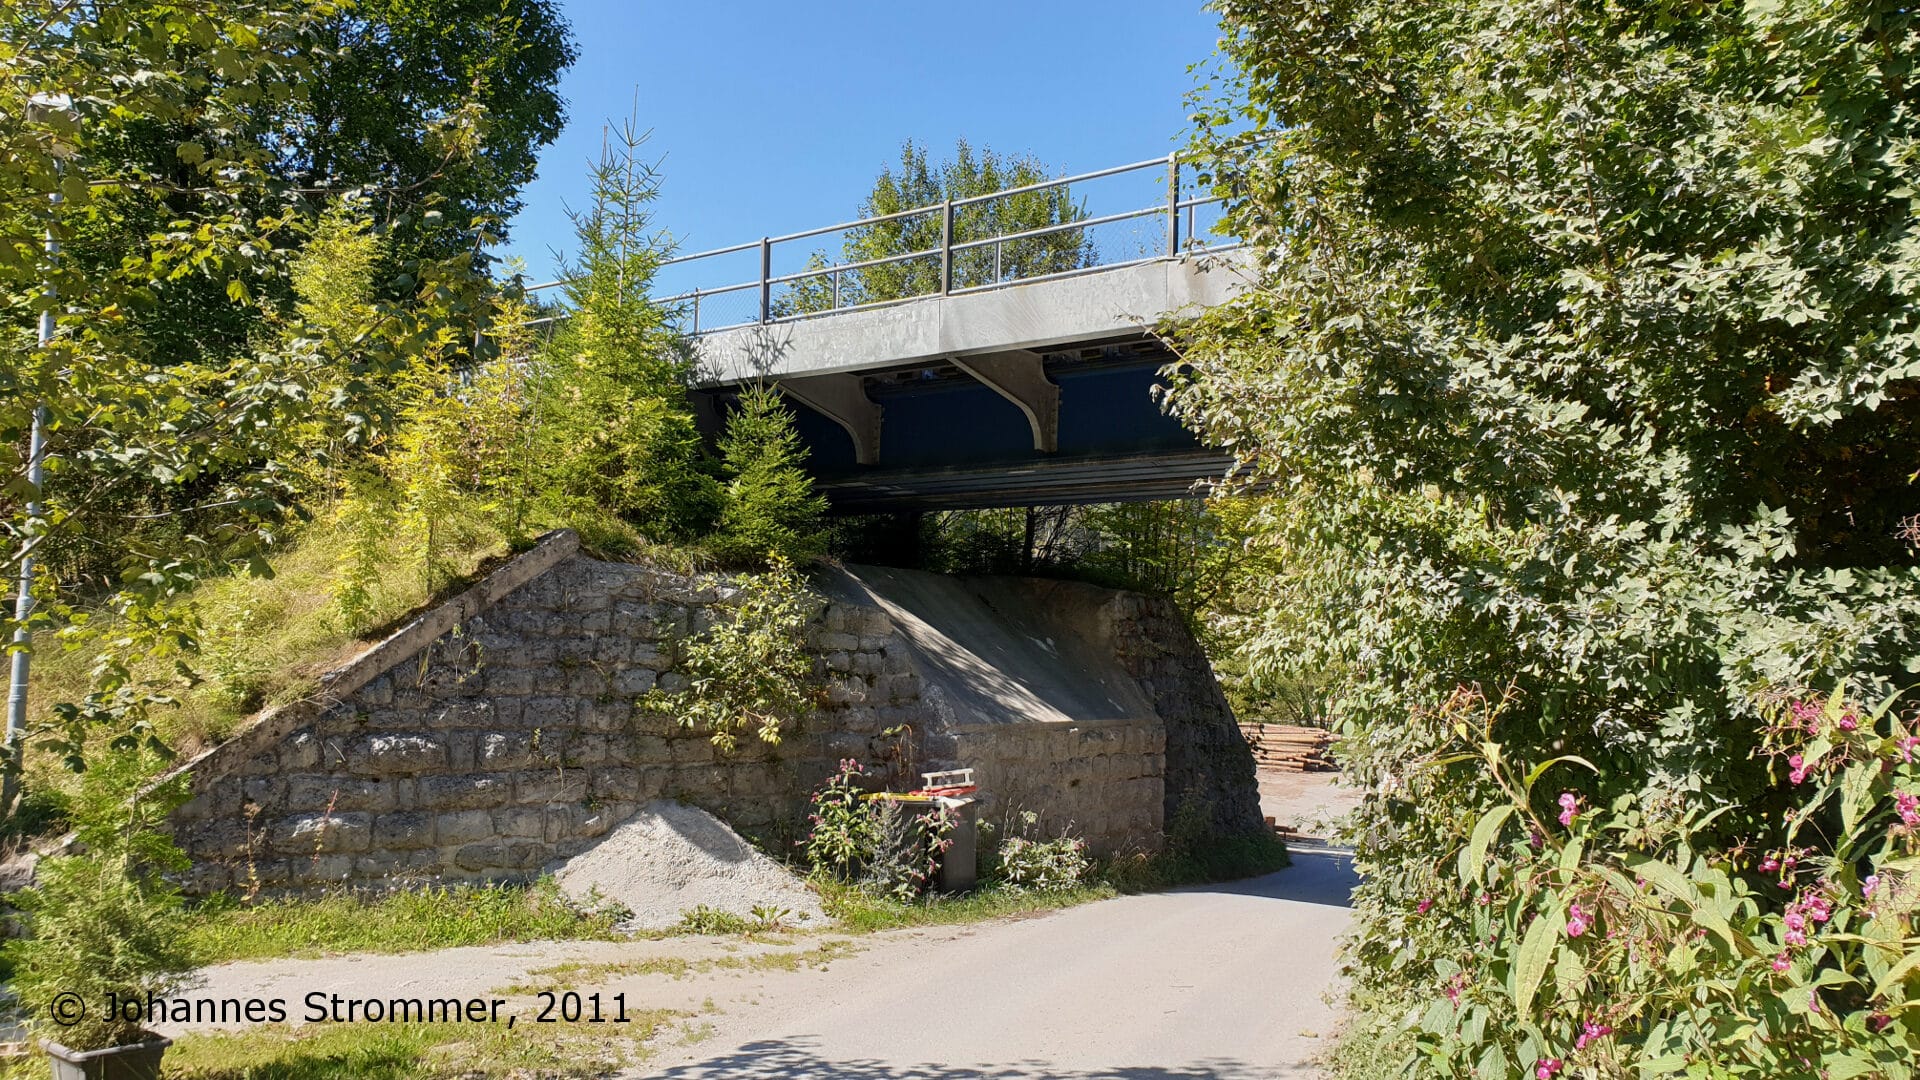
<point x="983" y="367"/>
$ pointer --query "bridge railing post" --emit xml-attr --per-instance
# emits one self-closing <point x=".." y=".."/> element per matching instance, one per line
<point x="1173" y="204"/>
<point x="766" y="280"/>
<point x="946" y="247"/>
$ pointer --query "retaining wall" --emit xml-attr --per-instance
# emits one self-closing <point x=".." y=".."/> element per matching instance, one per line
<point x="498" y="733"/>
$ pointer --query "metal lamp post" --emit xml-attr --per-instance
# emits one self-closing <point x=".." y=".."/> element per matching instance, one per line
<point x="40" y="107"/>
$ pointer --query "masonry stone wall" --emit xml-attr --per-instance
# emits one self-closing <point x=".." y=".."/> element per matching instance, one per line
<point x="1208" y="764"/>
<point x="499" y="733"/>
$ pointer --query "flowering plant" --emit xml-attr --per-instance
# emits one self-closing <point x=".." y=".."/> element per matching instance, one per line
<point x="1617" y="942"/>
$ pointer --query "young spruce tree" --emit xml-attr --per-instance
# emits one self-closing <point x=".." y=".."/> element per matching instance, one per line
<point x="769" y="505"/>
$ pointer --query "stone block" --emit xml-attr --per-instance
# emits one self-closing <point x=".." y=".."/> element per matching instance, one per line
<point x="469" y="792"/>
<point x="315" y="792"/>
<point x="214" y="839"/>
<point x="300" y="750"/>
<point x="269" y="793"/>
<point x="615" y="782"/>
<point x="846" y="691"/>
<point x="548" y="787"/>
<point x="548" y="711"/>
<point x="691" y="750"/>
<point x="588" y="681"/>
<point x="672" y="682"/>
<point x="509" y="681"/>
<point x="631" y="682"/>
<point x="588" y="748"/>
<point x="463" y="827"/>
<point x="405" y="830"/>
<point x="838" y="662"/>
<point x="395" y="754"/>
<point x="524" y="855"/>
<point x="311" y="834"/>
<point x="377" y="692"/>
<point x="836" y="641"/>
<point x="322" y="870"/>
<point x="486" y="856"/>
<point x="503" y="750"/>
<point x="519" y="822"/>
<point x="460" y="750"/>
<point x="607" y="714"/>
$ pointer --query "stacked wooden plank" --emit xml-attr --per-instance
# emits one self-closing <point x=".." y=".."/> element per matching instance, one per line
<point x="1289" y="747"/>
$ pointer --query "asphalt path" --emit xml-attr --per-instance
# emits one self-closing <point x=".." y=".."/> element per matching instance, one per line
<point x="1226" y="982"/>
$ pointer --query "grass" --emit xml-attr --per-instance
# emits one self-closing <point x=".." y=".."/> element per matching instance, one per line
<point x="441" y="917"/>
<point x="265" y="641"/>
<point x="583" y="973"/>
<point x="432" y="918"/>
<point x="396" y="1051"/>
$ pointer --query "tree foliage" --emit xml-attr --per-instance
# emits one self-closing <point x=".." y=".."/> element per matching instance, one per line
<point x="919" y="184"/>
<point x="1582" y="355"/>
<point x="613" y="429"/>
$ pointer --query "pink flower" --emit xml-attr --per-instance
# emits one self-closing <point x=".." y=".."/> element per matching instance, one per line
<point x="1799" y="766"/>
<point x="1769" y="864"/>
<point x="1808" y="716"/>
<point x="1907" y="746"/>
<point x="1907" y="805"/>
<point x="1569" y="808"/>
<point x="1422" y="906"/>
<point x="1813" y="1001"/>
<point x="1589" y="1032"/>
<point x="1546" y="1068"/>
<point x="1848" y="721"/>
<point x="1578" y="920"/>
<point x="1780" y="963"/>
<point x="1867" y="886"/>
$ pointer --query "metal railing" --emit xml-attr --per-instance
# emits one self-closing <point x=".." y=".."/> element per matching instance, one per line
<point x="842" y="286"/>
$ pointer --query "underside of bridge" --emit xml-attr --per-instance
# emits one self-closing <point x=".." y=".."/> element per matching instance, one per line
<point x="1037" y="393"/>
<point x="1081" y="424"/>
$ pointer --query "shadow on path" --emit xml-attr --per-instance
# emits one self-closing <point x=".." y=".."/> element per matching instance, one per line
<point x="1319" y="875"/>
<point x="798" y="1060"/>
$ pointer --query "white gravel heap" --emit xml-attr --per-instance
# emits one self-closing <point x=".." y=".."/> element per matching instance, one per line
<point x="669" y="858"/>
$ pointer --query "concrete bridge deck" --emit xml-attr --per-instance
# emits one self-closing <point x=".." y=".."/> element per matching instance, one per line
<point x="988" y="388"/>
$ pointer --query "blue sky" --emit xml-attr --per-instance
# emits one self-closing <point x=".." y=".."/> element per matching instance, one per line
<point x="775" y="117"/>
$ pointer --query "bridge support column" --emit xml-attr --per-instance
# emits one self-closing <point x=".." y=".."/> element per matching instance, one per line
<point x="842" y="399"/>
<point x="1019" y="377"/>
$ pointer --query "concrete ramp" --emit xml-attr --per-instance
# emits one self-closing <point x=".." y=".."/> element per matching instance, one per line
<point x="1006" y="650"/>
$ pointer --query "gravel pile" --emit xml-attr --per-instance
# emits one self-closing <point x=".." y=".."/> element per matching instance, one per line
<point x="669" y="858"/>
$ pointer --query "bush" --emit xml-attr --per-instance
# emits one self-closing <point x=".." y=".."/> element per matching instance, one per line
<point x="1580" y="361"/>
<point x="104" y="924"/>
<point x="750" y="671"/>
<point x="1059" y="864"/>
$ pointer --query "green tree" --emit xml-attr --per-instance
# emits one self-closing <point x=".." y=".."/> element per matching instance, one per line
<point x="919" y="183"/>
<point x="613" y="430"/>
<point x="159" y="468"/>
<point x="1583" y="360"/>
<point x="768" y="505"/>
